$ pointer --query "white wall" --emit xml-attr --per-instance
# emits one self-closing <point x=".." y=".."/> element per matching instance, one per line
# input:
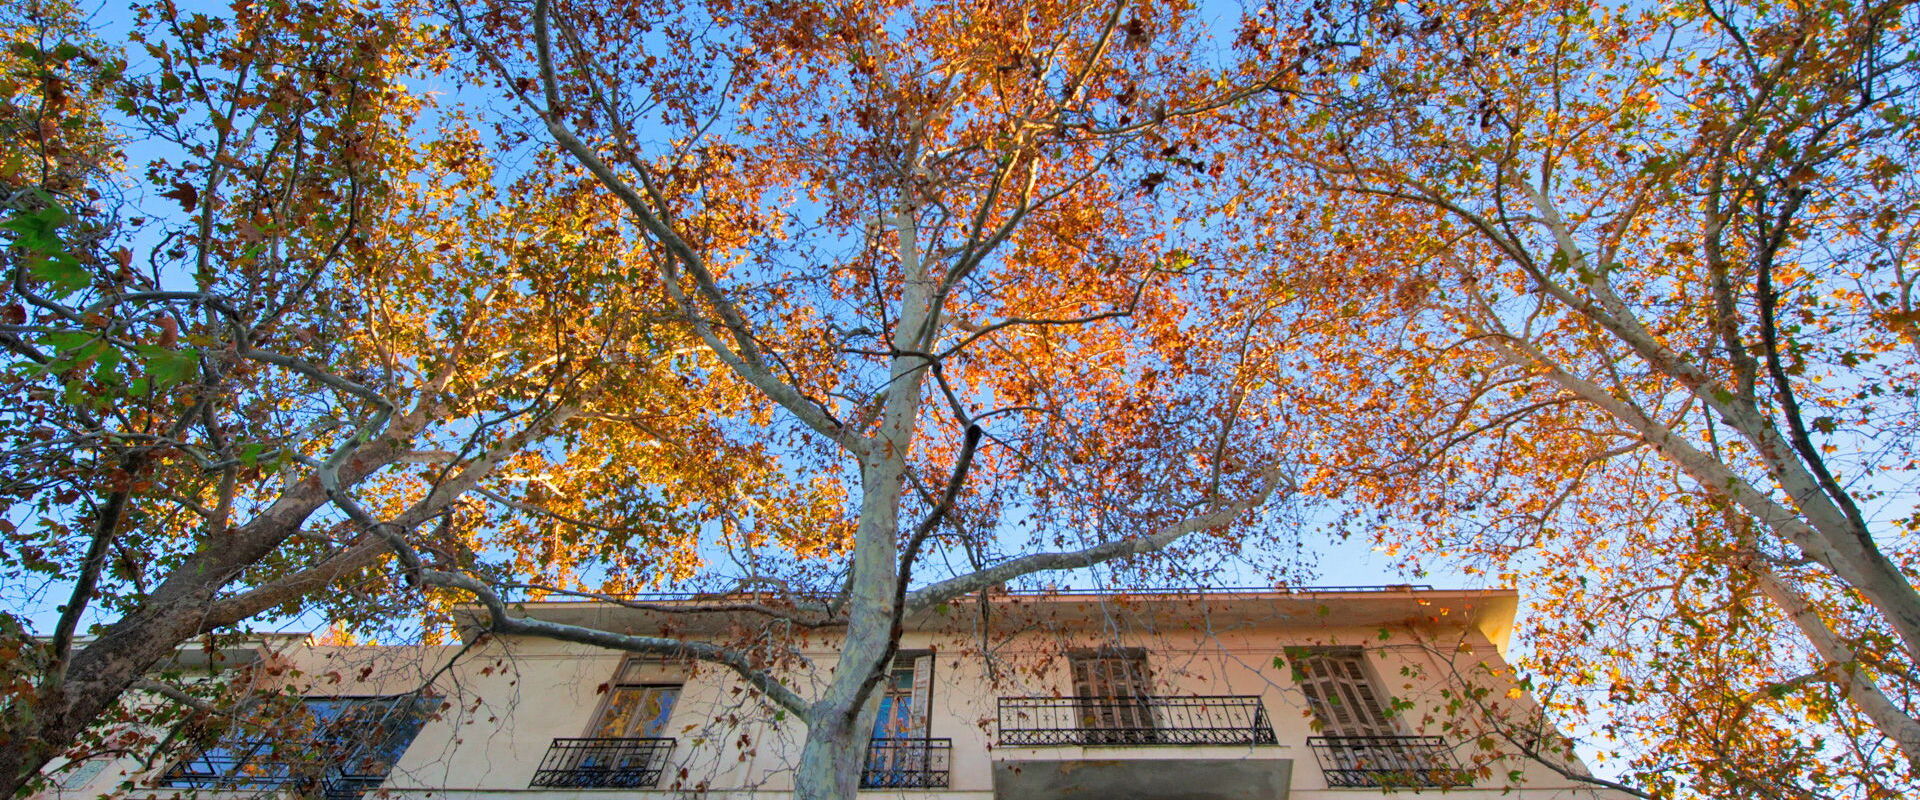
<point x="507" y="699"/>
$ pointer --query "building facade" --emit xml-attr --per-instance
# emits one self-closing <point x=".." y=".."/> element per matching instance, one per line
<point x="1317" y="695"/>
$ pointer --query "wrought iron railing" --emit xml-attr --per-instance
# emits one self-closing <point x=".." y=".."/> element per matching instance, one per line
<point x="626" y="763"/>
<point x="1043" y="721"/>
<point x="1388" y="761"/>
<point x="261" y="765"/>
<point x="907" y="764"/>
<point x="249" y="765"/>
<point x="525" y="594"/>
<point x="349" y="787"/>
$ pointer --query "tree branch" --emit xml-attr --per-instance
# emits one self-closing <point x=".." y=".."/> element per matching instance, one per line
<point x="1096" y="554"/>
<point x="502" y="622"/>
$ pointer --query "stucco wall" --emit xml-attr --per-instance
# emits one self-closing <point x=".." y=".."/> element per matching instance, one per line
<point x="507" y="699"/>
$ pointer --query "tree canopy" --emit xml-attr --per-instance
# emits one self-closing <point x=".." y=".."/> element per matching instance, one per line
<point x="845" y="309"/>
<point x="1647" y="350"/>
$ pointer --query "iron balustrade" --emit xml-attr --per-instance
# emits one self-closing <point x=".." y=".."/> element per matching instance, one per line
<point x="1388" y="761"/>
<point x="241" y="764"/>
<point x="262" y="765"/>
<point x="602" y="763"/>
<point x="349" y="787"/>
<point x="907" y="764"/>
<point x="1146" y="720"/>
<point x="525" y="594"/>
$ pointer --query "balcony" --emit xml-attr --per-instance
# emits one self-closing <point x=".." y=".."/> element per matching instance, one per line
<point x="1051" y="721"/>
<point x="349" y="787"/>
<point x="632" y="763"/>
<point x="263" y="766"/>
<point x="907" y="764"/>
<point x="1388" y="761"/>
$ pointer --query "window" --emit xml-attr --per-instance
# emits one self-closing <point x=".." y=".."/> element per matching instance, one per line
<point x="627" y="745"/>
<point x="1115" y="696"/>
<point x="77" y="777"/>
<point x="344" y="746"/>
<point x="901" y="755"/>
<point x="905" y="694"/>
<point x="1340" y="692"/>
<point x="635" y="708"/>
<point x="1363" y="745"/>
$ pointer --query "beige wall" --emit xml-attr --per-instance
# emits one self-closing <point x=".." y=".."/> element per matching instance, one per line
<point x="507" y="699"/>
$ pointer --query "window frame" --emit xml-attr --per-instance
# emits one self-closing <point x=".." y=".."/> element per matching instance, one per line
<point x="1367" y="687"/>
<point x="1113" y="710"/>
<point x="624" y="677"/>
<point x="919" y="696"/>
<point x="339" y="759"/>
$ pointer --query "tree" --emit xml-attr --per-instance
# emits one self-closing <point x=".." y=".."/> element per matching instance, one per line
<point x="941" y="281"/>
<point x="958" y="256"/>
<point x="1632" y="286"/>
<point x="326" y="292"/>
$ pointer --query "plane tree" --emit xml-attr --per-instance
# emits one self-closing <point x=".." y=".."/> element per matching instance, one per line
<point x="960" y="257"/>
<point x="248" y="269"/>
<point x="1618" y="298"/>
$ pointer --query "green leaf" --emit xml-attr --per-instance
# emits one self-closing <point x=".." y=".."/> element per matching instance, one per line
<point x="68" y="343"/>
<point x="251" y="452"/>
<point x="63" y="273"/>
<point x="38" y="233"/>
<point x="168" y="367"/>
<point x="106" y="367"/>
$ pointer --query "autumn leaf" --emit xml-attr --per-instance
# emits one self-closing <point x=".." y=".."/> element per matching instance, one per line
<point x="186" y="194"/>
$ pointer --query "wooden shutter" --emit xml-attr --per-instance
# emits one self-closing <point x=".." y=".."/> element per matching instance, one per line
<point x="1111" y="674"/>
<point x="1115" y="689"/>
<point x="922" y="694"/>
<point x="1341" y="694"/>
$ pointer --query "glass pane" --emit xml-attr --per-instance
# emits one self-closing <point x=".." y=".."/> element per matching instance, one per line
<point x="322" y="740"/>
<point x="658" y="707"/>
<point x="895" y="720"/>
<point x="638" y="671"/>
<point x="369" y="737"/>
<point x="329" y="709"/>
<point x="620" y="712"/>
<point x="77" y="777"/>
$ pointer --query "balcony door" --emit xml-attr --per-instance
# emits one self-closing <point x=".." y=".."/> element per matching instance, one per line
<point x="627" y="743"/>
<point x="904" y="697"/>
<point x="341" y="746"/>
<point x="1364" y="745"/>
<point x="900" y="754"/>
<point x="1341" y="693"/>
<point x="636" y="711"/>
<point x="1115" y="696"/>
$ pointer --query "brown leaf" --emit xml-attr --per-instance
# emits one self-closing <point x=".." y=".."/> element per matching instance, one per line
<point x="185" y="193"/>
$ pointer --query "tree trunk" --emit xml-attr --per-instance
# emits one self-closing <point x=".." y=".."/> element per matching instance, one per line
<point x="1843" y="664"/>
<point x="21" y="761"/>
<point x="839" y="725"/>
<point x="177" y="610"/>
<point x="831" y="760"/>
<point x="98" y="676"/>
